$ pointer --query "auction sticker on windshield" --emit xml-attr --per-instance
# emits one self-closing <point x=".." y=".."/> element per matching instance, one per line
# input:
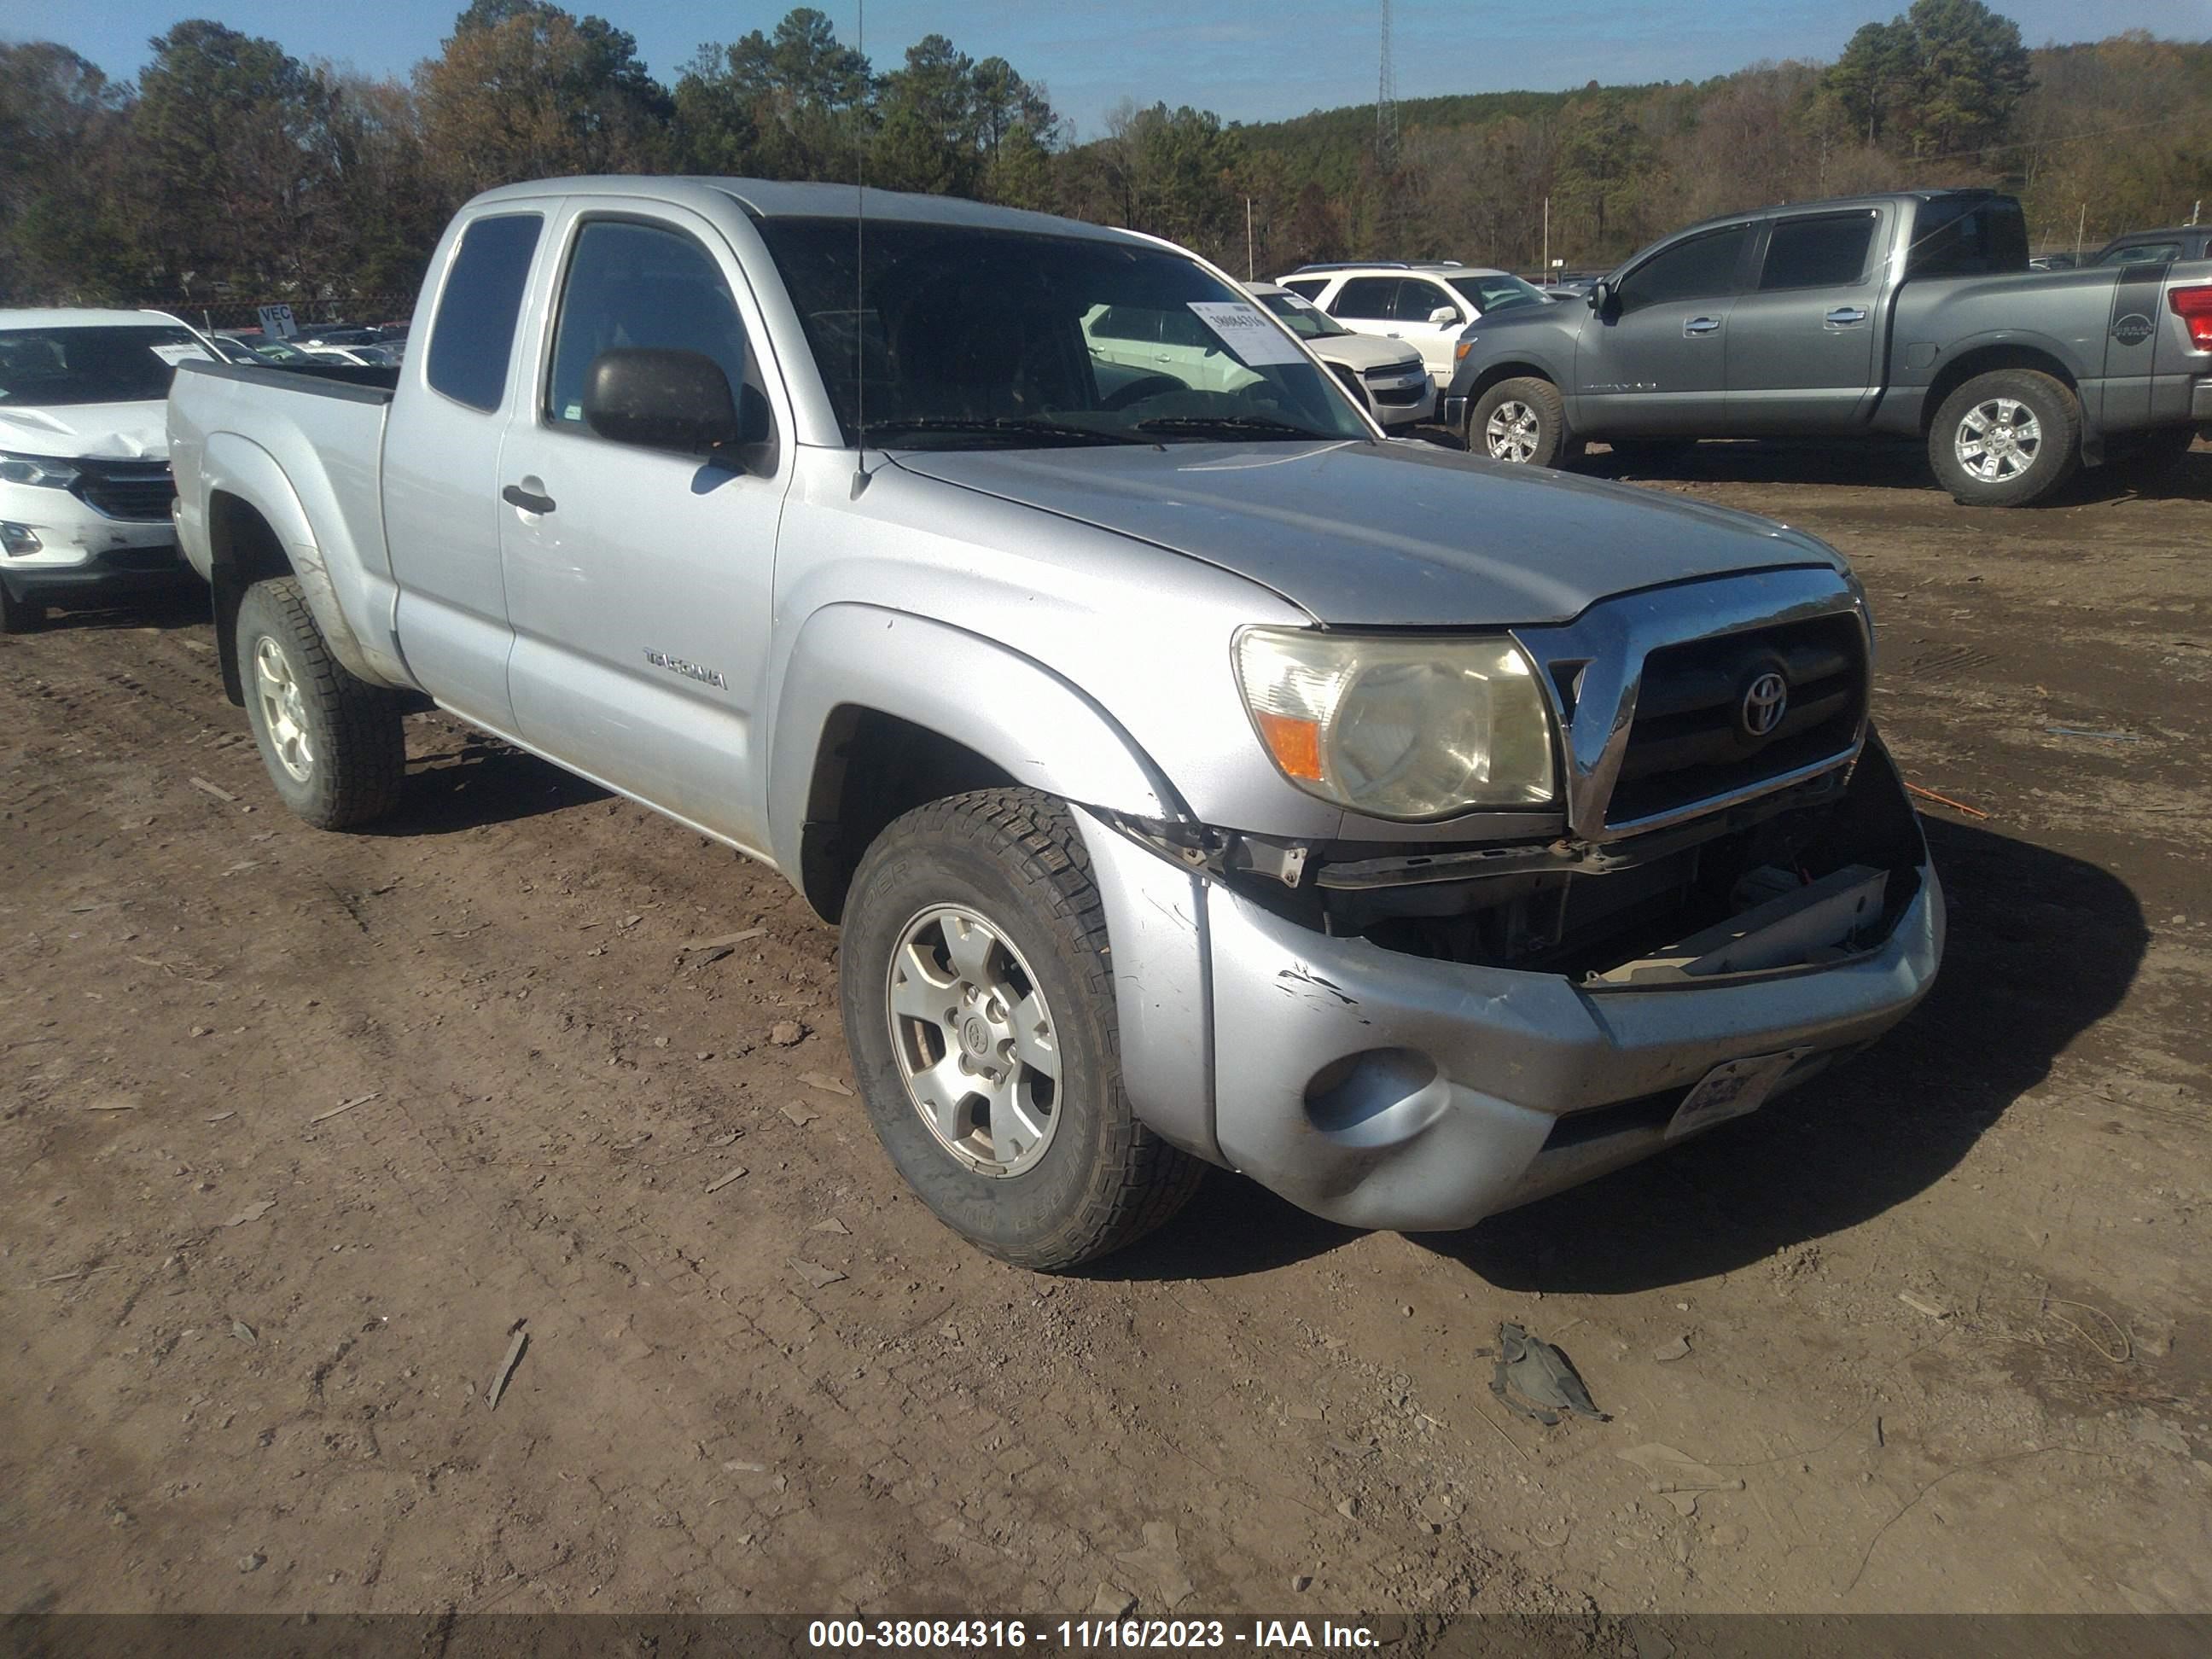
<point x="1255" y="338"/>
<point x="182" y="351"/>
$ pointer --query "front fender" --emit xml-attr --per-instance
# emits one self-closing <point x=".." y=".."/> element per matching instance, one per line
<point x="1041" y="731"/>
<point x="236" y="467"/>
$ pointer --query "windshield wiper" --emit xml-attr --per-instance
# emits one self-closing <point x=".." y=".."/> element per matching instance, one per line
<point x="1233" y="425"/>
<point x="1028" y="427"/>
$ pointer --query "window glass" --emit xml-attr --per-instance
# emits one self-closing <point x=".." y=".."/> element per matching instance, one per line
<point x="1826" y="251"/>
<point x="1498" y="290"/>
<point x="1418" y="297"/>
<point x="638" y="285"/>
<point x="1968" y="236"/>
<point x="1307" y="286"/>
<point x="972" y="337"/>
<point x="1701" y="268"/>
<point x="474" y="335"/>
<point x="2142" y="254"/>
<point x="1302" y="317"/>
<point x="1371" y="299"/>
<point x="1124" y="322"/>
<point x="122" y="364"/>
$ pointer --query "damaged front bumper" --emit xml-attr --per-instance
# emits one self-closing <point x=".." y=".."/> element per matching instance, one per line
<point x="1381" y="1088"/>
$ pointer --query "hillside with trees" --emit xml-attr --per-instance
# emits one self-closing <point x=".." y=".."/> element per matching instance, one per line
<point x="231" y="172"/>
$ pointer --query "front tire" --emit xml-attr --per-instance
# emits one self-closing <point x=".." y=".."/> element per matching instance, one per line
<point x="978" y="993"/>
<point x="333" y="744"/>
<point x="1522" y="421"/>
<point x="2006" y="439"/>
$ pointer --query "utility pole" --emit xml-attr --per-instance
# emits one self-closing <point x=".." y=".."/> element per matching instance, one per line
<point x="1248" y="238"/>
<point x="2197" y="210"/>
<point x="2080" y="225"/>
<point x="1547" y="239"/>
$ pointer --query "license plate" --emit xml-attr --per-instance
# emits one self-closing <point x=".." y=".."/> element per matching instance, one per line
<point x="1731" y="1090"/>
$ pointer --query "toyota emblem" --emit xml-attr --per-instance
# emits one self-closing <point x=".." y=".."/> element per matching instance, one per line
<point x="1765" y="701"/>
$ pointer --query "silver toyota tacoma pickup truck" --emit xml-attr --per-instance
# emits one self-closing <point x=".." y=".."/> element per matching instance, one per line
<point x="1197" y="775"/>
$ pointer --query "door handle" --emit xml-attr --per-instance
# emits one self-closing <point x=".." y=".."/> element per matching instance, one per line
<point x="1701" y="325"/>
<point x="1843" y="315"/>
<point x="516" y="495"/>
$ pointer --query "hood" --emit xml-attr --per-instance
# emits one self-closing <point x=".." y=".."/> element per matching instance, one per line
<point x="88" y="432"/>
<point x="1363" y="351"/>
<point x="1398" y="534"/>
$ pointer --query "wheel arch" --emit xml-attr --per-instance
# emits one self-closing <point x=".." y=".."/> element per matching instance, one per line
<point x="257" y="528"/>
<point x="881" y="711"/>
<point x="1988" y="358"/>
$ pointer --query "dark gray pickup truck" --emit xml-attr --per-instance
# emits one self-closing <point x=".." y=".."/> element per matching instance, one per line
<point x="1904" y="316"/>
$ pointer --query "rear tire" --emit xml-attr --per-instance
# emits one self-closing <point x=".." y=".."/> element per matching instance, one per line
<point x="20" y="615"/>
<point x="1003" y="1110"/>
<point x="1522" y="421"/>
<point x="333" y="744"/>
<point x="2006" y="439"/>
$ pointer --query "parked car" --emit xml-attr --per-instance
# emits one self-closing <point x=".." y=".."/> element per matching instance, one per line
<point x="1196" y="776"/>
<point x="1908" y="316"/>
<point x="2157" y="247"/>
<point x="1387" y="376"/>
<point x="2052" y="262"/>
<point x="360" y="356"/>
<point x="84" y="473"/>
<point x="1426" y="305"/>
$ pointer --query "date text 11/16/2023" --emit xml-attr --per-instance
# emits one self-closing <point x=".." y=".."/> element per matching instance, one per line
<point x="1263" y="1636"/>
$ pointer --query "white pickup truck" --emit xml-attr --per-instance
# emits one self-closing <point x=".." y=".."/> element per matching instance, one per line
<point x="1197" y="774"/>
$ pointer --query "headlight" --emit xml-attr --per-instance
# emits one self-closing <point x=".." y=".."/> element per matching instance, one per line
<point x="36" y="470"/>
<point x="1394" y="728"/>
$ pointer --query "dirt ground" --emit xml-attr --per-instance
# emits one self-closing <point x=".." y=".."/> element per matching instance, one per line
<point x="300" y="1128"/>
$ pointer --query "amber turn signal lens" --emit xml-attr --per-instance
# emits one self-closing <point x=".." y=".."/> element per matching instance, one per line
<point x="1295" y="744"/>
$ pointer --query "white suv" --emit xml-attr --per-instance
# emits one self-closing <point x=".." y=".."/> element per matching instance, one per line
<point x="84" y="457"/>
<point x="1424" y="304"/>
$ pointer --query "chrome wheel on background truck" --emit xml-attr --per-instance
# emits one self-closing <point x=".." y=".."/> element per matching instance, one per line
<point x="2006" y="439"/>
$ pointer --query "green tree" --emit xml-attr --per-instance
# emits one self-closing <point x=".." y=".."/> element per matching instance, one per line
<point x="66" y="230"/>
<point x="230" y="136"/>
<point x="793" y="104"/>
<point x="1943" y="78"/>
<point x="524" y="90"/>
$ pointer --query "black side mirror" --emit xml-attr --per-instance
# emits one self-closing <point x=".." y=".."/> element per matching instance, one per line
<point x="678" y="401"/>
<point x="1600" y="297"/>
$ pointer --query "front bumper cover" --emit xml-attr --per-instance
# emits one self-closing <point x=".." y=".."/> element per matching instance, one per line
<point x="1380" y="1089"/>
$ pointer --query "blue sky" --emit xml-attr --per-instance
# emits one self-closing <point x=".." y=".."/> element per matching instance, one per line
<point x="1248" y="61"/>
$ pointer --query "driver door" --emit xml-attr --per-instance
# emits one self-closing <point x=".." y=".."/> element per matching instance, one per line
<point x="639" y="581"/>
<point x="1654" y="362"/>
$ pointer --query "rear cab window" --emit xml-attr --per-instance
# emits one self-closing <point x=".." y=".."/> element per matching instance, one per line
<point x="472" y="337"/>
<point x="1968" y="236"/>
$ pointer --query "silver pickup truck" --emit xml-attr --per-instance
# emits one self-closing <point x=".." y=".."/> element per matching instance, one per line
<point x="1197" y="775"/>
<point x="1911" y="316"/>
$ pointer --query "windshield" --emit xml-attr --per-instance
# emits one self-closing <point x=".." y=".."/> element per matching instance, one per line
<point x="972" y="337"/>
<point x="1497" y="291"/>
<point x="1302" y="317"/>
<point x="108" y="365"/>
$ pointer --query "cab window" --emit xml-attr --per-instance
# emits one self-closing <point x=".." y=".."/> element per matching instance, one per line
<point x="1704" y="267"/>
<point x="473" y="337"/>
<point x="1819" y="250"/>
<point x="632" y="284"/>
<point x="1370" y="299"/>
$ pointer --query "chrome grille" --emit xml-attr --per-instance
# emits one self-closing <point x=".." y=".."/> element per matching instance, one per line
<point x="1689" y="741"/>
